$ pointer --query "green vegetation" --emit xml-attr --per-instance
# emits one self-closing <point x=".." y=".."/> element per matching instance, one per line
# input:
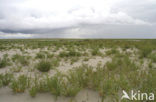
<point x="153" y="57"/>
<point x="19" y="85"/>
<point x="23" y="60"/>
<point x="77" y="43"/>
<point x="71" y="53"/>
<point x="5" y="79"/>
<point x="16" y="69"/>
<point x="95" y="52"/>
<point x="40" y="55"/>
<point x="144" y="52"/>
<point x="112" y="51"/>
<point x="4" y="61"/>
<point x="55" y="62"/>
<point x="33" y="91"/>
<point x="54" y="85"/>
<point x="43" y="66"/>
<point x="132" y="65"/>
<point x="74" y="59"/>
<point x="150" y="82"/>
<point x="122" y="64"/>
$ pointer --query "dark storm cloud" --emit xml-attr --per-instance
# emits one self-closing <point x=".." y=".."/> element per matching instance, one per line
<point x="35" y="31"/>
<point x="91" y="31"/>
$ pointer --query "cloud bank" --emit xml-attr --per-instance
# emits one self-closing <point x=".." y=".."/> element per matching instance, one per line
<point x="77" y="19"/>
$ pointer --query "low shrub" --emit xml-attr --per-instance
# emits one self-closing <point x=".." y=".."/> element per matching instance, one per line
<point x="23" y="60"/>
<point x="123" y="64"/>
<point x="55" y="85"/>
<point x="153" y="57"/>
<point x="112" y="51"/>
<point x="3" y="63"/>
<point x="95" y="52"/>
<point x="70" y="53"/>
<point x="71" y="89"/>
<point x="145" y="52"/>
<point x="40" y="55"/>
<point x="5" y="79"/>
<point x="33" y="91"/>
<point x="44" y="66"/>
<point x="19" y="85"/>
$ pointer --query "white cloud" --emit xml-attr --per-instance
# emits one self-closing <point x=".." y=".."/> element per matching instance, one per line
<point x="26" y="16"/>
<point x="31" y="14"/>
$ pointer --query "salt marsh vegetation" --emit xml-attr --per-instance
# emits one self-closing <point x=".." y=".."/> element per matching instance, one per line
<point x="66" y="67"/>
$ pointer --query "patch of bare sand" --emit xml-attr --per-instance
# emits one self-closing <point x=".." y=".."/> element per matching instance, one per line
<point x="10" y="52"/>
<point x="64" y="67"/>
<point x="87" y="96"/>
<point x="5" y="70"/>
<point x="6" y="95"/>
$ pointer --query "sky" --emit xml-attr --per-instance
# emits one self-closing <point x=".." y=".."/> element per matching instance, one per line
<point x="77" y="19"/>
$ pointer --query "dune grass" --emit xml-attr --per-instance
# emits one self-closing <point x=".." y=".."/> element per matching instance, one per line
<point x="23" y="60"/>
<point x="5" y="61"/>
<point x="19" y="85"/>
<point x="125" y="71"/>
<point x="5" y="79"/>
<point x="43" y="66"/>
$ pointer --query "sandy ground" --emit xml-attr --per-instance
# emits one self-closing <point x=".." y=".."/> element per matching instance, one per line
<point x="83" y="96"/>
<point x="63" y="67"/>
<point x="86" y="95"/>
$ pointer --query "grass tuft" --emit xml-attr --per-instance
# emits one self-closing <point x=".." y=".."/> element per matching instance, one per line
<point x="19" y="85"/>
<point x="23" y="60"/>
<point x="43" y="66"/>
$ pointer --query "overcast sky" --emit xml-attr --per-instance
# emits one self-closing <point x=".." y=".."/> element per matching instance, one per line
<point x="77" y="19"/>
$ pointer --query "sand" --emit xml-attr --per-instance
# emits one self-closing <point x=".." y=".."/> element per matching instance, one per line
<point x="6" y="95"/>
<point x="85" y="95"/>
